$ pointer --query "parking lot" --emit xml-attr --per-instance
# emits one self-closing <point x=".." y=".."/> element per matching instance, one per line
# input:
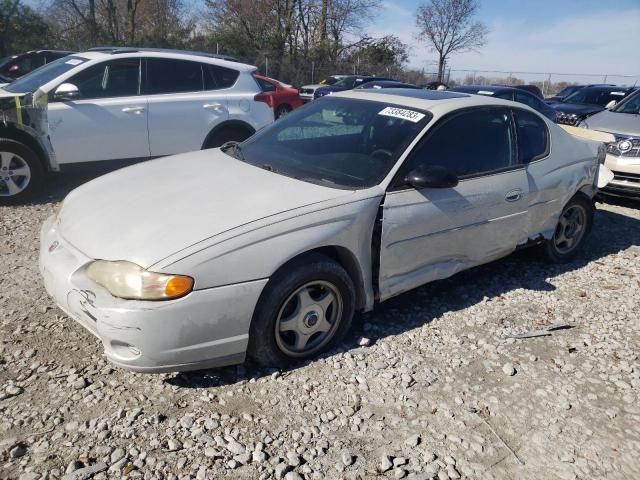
<point x="428" y="385"/>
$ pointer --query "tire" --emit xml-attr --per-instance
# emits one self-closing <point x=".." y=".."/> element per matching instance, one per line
<point x="227" y="134"/>
<point x="278" y="328"/>
<point x="574" y="225"/>
<point x="282" y="110"/>
<point x="16" y="158"/>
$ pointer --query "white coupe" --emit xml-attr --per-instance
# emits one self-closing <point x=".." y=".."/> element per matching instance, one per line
<point x="267" y="248"/>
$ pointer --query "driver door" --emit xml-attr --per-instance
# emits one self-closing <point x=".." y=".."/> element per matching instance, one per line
<point x="433" y="233"/>
<point x="107" y="121"/>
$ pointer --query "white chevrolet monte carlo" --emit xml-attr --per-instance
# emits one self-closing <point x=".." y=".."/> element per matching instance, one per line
<point x="268" y="247"/>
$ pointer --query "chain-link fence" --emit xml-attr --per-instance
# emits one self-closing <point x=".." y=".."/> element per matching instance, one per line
<point x="300" y="72"/>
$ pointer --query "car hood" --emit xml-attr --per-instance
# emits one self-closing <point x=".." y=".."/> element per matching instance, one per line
<point x="616" y="123"/>
<point x="149" y="211"/>
<point x="577" y="109"/>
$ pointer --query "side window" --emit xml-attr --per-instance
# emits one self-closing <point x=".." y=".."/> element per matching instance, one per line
<point x="165" y="75"/>
<point x="115" y="78"/>
<point x="469" y="143"/>
<point x="217" y="77"/>
<point x="533" y="137"/>
<point x="527" y="100"/>
<point x="265" y="86"/>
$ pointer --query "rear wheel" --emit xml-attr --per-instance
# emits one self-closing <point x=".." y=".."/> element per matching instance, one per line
<point x="21" y="173"/>
<point x="227" y="134"/>
<point x="573" y="226"/>
<point x="282" y="110"/>
<point x="305" y="308"/>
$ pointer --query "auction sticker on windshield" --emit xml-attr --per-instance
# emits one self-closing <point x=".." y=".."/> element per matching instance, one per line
<point x="402" y="113"/>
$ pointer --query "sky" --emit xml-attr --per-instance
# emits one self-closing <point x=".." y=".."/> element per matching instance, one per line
<point x="554" y="36"/>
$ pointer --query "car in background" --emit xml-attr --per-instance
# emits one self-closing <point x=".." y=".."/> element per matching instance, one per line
<point x="623" y="155"/>
<point x="435" y="85"/>
<point x="508" y="93"/>
<point x="532" y="89"/>
<point x="269" y="247"/>
<point x="282" y="98"/>
<point x="588" y="101"/>
<point x="15" y="66"/>
<point x="306" y="91"/>
<point x="386" y="84"/>
<point x="571" y="89"/>
<point x="348" y="83"/>
<point x="122" y="105"/>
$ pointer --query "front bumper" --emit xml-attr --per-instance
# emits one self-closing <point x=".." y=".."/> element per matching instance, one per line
<point x="207" y="328"/>
<point x="626" y="180"/>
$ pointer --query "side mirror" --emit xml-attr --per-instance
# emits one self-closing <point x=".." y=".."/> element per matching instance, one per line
<point x="66" y="91"/>
<point x="433" y="176"/>
<point x="610" y="105"/>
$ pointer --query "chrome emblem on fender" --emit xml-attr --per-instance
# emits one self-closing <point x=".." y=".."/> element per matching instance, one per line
<point x="53" y="246"/>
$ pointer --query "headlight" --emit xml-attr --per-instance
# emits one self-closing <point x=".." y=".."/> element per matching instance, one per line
<point x="131" y="281"/>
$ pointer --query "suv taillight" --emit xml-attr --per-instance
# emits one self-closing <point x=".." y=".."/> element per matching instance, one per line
<point x="264" y="97"/>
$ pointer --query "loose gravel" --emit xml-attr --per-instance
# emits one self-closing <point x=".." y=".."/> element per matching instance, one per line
<point x="430" y="385"/>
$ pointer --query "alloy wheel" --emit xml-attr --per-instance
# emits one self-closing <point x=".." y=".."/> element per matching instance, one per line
<point x="15" y="174"/>
<point x="570" y="229"/>
<point x="308" y="318"/>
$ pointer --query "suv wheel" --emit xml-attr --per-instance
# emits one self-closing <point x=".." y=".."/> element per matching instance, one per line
<point x="21" y="173"/>
<point x="228" y="134"/>
<point x="304" y="309"/>
<point x="573" y="226"/>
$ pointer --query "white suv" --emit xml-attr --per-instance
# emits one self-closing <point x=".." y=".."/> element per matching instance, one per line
<point x="122" y="104"/>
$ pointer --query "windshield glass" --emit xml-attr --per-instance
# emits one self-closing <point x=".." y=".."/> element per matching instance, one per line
<point x="34" y="80"/>
<point x="566" y="91"/>
<point x="336" y="142"/>
<point x="329" y="81"/>
<point x="594" y="96"/>
<point x="631" y="104"/>
<point x="347" y="83"/>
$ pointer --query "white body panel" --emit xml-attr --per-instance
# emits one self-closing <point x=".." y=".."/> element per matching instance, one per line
<point x="101" y="129"/>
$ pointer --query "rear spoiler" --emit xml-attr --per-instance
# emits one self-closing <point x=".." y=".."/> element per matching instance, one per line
<point x="587" y="134"/>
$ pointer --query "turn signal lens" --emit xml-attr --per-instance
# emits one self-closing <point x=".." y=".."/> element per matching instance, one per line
<point x="128" y="280"/>
<point x="178" y="286"/>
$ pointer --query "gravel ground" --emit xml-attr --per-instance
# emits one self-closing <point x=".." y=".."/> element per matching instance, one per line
<point x="430" y="385"/>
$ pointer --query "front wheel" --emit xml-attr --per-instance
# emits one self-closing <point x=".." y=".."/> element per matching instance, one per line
<point x="573" y="226"/>
<point x="21" y="173"/>
<point x="305" y="308"/>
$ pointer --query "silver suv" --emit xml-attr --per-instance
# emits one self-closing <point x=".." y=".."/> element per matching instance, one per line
<point x="623" y="155"/>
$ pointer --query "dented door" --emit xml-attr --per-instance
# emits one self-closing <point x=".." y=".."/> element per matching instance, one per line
<point x="433" y="233"/>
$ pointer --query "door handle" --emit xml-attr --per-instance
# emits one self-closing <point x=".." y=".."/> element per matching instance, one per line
<point x="513" y="195"/>
<point x="213" y="106"/>
<point x="133" y="109"/>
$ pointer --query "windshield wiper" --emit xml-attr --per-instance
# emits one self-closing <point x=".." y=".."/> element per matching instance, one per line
<point x="237" y="149"/>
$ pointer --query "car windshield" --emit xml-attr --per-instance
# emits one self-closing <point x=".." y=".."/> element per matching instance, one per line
<point x="566" y="91"/>
<point x="347" y="83"/>
<point x="336" y="142"/>
<point x="34" y="80"/>
<point x="630" y="104"/>
<point x="329" y="81"/>
<point x="594" y="96"/>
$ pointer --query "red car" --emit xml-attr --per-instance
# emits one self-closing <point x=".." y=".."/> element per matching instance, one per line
<point x="280" y="97"/>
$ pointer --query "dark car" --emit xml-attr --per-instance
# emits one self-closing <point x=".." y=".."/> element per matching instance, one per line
<point x="588" y="101"/>
<point x="571" y="89"/>
<point x="386" y="84"/>
<point x="347" y="83"/>
<point x="509" y="93"/>
<point x="433" y="85"/>
<point x="16" y="66"/>
<point x="532" y="89"/>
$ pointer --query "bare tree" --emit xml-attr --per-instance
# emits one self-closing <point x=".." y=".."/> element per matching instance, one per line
<point x="449" y="26"/>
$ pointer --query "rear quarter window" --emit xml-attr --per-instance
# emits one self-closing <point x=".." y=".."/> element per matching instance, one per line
<point x="533" y="137"/>
<point x="217" y="77"/>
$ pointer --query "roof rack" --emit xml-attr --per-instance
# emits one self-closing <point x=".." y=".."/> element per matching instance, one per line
<point x="118" y="50"/>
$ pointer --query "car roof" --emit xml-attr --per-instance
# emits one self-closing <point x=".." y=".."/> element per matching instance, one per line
<point x="485" y="88"/>
<point x="223" y="60"/>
